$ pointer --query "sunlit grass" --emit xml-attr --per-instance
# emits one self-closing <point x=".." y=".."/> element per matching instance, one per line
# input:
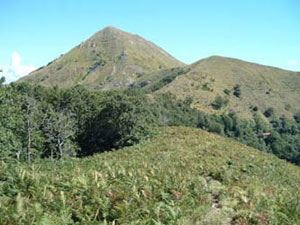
<point x="182" y="176"/>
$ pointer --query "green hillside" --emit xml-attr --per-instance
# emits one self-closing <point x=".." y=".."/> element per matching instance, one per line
<point x="114" y="59"/>
<point x="261" y="86"/>
<point x="182" y="176"/>
<point x="110" y="59"/>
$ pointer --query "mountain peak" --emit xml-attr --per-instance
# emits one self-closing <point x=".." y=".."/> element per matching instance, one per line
<point x="111" y="29"/>
<point x="110" y="59"/>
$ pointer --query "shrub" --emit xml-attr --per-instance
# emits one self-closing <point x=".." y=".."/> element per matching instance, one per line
<point x="297" y="117"/>
<point x="206" y="87"/>
<point x="227" y="91"/>
<point x="237" y="91"/>
<point x="269" y="112"/>
<point x="215" y="127"/>
<point x="163" y="82"/>
<point x="189" y="100"/>
<point x="288" y="107"/>
<point x="219" y="102"/>
<point x="172" y="112"/>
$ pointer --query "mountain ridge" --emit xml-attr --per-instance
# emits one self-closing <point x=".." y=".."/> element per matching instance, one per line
<point x="114" y="59"/>
<point x="110" y="58"/>
<point x="261" y="86"/>
<point x="240" y="60"/>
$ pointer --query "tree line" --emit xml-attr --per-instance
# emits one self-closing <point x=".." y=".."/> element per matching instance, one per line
<point x="38" y="122"/>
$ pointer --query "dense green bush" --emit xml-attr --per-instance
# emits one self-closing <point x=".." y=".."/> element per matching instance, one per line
<point x="123" y="121"/>
<point x="227" y="91"/>
<point x="172" y="112"/>
<point x="255" y="108"/>
<point x="269" y="112"/>
<point x="167" y="76"/>
<point x="297" y="117"/>
<point x="237" y="90"/>
<point x="219" y="102"/>
<point x="163" y="82"/>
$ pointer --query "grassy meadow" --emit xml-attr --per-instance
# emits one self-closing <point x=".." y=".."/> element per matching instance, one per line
<point x="181" y="176"/>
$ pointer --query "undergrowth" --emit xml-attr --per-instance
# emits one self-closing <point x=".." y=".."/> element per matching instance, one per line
<point x="182" y="176"/>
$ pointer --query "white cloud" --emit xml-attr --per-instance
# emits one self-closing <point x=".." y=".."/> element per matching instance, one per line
<point x="15" y="70"/>
<point x="292" y="62"/>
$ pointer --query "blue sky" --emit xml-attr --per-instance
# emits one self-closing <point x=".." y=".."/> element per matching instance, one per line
<point x="34" y="32"/>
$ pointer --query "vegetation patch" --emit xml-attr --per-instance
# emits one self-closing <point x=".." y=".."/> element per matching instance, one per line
<point x="182" y="176"/>
<point x="164" y="78"/>
<point x="269" y="112"/>
<point x="237" y="90"/>
<point x="38" y="122"/>
<point x="219" y="102"/>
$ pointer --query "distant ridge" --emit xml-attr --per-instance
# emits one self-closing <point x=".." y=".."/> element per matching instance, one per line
<point x="261" y="86"/>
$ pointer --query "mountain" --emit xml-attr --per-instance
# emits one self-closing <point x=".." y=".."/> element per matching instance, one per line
<point x="109" y="59"/>
<point x="261" y="86"/>
<point x="114" y="59"/>
<point x="183" y="176"/>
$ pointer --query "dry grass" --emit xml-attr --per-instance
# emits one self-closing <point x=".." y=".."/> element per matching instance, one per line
<point x="125" y="56"/>
<point x="261" y="86"/>
<point x="182" y="176"/>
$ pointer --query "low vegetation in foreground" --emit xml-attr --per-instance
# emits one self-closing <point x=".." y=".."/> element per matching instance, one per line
<point x="182" y="176"/>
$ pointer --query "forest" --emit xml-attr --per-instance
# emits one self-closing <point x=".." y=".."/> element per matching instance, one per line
<point x="38" y="122"/>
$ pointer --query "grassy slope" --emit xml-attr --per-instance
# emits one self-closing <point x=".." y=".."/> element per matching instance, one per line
<point x="183" y="176"/>
<point x="113" y="59"/>
<point x="109" y="59"/>
<point x="261" y="86"/>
